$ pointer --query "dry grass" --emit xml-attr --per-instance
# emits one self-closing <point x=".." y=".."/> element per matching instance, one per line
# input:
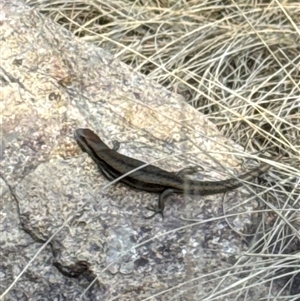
<point x="238" y="62"/>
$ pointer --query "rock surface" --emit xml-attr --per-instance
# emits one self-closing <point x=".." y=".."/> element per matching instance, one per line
<point x="66" y="235"/>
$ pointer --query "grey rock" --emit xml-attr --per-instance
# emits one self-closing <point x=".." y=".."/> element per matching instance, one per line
<point x="66" y="233"/>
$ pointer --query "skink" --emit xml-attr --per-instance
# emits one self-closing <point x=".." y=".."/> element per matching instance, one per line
<point x="151" y="178"/>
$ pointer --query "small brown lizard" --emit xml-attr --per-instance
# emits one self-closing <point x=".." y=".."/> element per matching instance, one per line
<point x="151" y="178"/>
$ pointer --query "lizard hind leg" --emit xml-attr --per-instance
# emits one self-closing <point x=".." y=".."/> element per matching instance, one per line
<point x="161" y="203"/>
<point x="187" y="171"/>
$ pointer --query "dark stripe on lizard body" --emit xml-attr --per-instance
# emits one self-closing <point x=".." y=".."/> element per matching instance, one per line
<point x="151" y="178"/>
